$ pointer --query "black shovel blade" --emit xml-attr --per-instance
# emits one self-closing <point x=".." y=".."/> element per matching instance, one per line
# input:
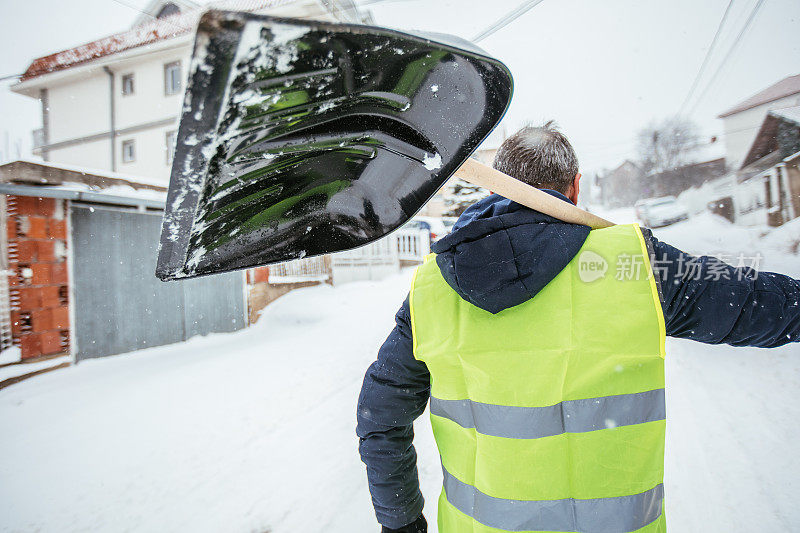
<point x="300" y="138"/>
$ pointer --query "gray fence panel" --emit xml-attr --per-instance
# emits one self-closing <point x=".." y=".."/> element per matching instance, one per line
<point x="208" y="305"/>
<point x="119" y="304"/>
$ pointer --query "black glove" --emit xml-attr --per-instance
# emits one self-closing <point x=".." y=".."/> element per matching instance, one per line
<point x="417" y="526"/>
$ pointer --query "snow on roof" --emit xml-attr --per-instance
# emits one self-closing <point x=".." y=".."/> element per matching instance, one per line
<point x="136" y="180"/>
<point x="157" y="7"/>
<point x="125" y="191"/>
<point x="785" y="87"/>
<point x="156" y="30"/>
<point x="35" y="178"/>
<point x="706" y="151"/>
<point x="42" y="177"/>
<point x="789" y="113"/>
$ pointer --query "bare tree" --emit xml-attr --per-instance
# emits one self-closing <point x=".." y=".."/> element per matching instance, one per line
<point x="665" y="145"/>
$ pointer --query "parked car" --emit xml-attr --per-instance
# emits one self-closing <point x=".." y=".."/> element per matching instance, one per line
<point x="658" y="212"/>
<point x="639" y="207"/>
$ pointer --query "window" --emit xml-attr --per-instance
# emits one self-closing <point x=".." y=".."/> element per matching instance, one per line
<point x="172" y="78"/>
<point x="127" y="84"/>
<point x="170" y="146"/>
<point x="128" y="151"/>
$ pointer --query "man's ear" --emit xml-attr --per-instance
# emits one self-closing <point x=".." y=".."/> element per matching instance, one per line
<point x="575" y="188"/>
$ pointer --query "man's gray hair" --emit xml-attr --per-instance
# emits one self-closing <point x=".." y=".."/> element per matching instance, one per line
<point x="540" y="156"/>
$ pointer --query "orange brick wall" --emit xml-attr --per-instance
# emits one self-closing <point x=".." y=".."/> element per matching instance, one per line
<point x="37" y="244"/>
<point x="258" y="275"/>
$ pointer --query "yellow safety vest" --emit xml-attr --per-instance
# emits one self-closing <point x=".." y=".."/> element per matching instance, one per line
<point x="550" y="416"/>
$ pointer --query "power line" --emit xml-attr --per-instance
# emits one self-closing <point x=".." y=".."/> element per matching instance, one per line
<point x="506" y="19"/>
<point x="129" y="6"/>
<point x="178" y="29"/>
<point x="364" y="3"/>
<point x="720" y="136"/>
<point x="732" y="49"/>
<point x="10" y="77"/>
<point x="707" y="57"/>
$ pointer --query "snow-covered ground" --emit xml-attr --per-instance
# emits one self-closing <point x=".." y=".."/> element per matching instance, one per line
<point x="12" y="371"/>
<point x="254" y="431"/>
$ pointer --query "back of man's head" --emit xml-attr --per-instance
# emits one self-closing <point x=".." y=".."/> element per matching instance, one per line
<point x="540" y="156"/>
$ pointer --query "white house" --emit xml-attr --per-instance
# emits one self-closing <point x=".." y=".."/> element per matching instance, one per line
<point x="113" y="103"/>
<point x="742" y="122"/>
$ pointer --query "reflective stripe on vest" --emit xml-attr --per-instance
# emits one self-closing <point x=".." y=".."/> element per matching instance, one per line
<point x="550" y="416"/>
<point x="601" y="515"/>
<point x="575" y="416"/>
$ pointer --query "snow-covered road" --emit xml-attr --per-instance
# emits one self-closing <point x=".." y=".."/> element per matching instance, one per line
<point x="254" y="431"/>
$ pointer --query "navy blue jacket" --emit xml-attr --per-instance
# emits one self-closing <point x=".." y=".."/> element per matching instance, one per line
<point x="501" y="254"/>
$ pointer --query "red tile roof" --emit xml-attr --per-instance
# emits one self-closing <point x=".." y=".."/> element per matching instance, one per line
<point x="785" y="87"/>
<point x="156" y="30"/>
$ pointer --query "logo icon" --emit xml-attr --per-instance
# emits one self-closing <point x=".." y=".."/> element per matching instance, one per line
<point x="591" y="266"/>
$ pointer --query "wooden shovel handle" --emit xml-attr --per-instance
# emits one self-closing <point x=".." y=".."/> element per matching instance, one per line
<point x="493" y="180"/>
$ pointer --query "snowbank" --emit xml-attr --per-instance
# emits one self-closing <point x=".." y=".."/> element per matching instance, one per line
<point x="12" y="371"/>
<point x="10" y="355"/>
<point x="254" y="431"/>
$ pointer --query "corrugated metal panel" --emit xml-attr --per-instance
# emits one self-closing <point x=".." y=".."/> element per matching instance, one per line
<point x="209" y="303"/>
<point x="119" y="304"/>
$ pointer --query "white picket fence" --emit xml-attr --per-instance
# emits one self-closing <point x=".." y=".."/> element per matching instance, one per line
<point x="374" y="261"/>
<point x="412" y="245"/>
<point x="300" y="270"/>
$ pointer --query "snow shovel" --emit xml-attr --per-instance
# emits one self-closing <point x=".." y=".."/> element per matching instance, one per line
<point x="300" y="138"/>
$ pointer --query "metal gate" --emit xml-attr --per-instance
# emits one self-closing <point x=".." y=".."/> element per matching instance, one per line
<point x="120" y="306"/>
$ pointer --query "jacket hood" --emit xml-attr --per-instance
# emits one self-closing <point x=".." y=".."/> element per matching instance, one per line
<point x="501" y="253"/>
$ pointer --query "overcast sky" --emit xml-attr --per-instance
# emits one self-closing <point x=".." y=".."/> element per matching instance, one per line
<point x="601" y="69"/>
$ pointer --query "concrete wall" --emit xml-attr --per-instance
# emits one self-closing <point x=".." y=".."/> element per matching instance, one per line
<point x="79" y="115"/>
<point x="151" y="154"/>
<point x="148" y="103"/>
<point x="79" y="108"/>
<point x="93" y="154"/>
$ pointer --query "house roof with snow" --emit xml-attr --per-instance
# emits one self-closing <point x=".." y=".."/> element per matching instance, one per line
<point x="779" y="134"/>
<point x="49" y="180"/>
<point x="785" y="87"/>
<point x="791" y="114"/>
<point x="25" y="171"/>
<point x="625" y="166"/>
<point x="151" y="32"/>
<point x="158" y="9"/>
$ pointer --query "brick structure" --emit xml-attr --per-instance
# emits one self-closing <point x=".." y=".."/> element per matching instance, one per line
<point x="261" y="292"/>
<point x="37" y="279"/>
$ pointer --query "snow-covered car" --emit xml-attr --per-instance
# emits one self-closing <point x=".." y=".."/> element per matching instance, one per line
<point x="658" y="212"/>
<point x="640" y="207"/>
<point x="449" y="222"/>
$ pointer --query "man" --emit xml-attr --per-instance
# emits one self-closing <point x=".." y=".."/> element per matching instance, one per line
<point x="540" y="347"/>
